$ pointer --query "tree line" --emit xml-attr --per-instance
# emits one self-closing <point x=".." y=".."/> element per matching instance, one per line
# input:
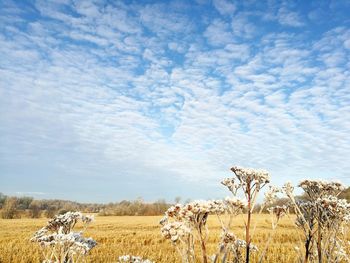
<point x="17" y="207"/>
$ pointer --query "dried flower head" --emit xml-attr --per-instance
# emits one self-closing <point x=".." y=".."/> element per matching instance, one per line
<point x="175" y="231"/>
<point x="246" y="175"/>
<point x="271" y="195"/>
<point x="288" y="189"/>
<point x="240" y="243"/>
<point x="228" y="237"/>
<point x="318" y="188"/>
<point x="332" y="209"/>
<point x="230" y="184"/>
<point x="58" y="235"/>
<point x="133" y="259"/>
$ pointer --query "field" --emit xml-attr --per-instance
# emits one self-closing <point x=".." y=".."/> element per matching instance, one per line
<point x="141" y="236"/>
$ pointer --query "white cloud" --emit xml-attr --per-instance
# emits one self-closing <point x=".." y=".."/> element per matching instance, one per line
<point x="289" y="18"/>
<point x="242" y="27"/>
<point x="218" y="33"/>
<point x="225" y="7"/>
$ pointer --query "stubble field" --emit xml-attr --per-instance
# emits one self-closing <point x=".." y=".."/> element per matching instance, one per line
<point x="140" y="235"/>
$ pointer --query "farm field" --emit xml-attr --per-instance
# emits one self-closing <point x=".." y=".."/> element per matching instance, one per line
<point x="140" y="235"/>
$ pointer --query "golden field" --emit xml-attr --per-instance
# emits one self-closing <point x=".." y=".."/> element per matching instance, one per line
<point x="140" y="235"/>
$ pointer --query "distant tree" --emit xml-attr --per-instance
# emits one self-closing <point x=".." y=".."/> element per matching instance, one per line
<point x="2" y="199"/>
<point x="24" y="202"/>
<point x="50" y="211"/>
<point x="34" y="209"/>
<point x="9" y="209"/>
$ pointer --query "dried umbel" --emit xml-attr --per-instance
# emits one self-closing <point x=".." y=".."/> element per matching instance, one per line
<point x="133" y="259"/>
<point x="249" y="175"/>
<point x="228" y="238"/>
<point x="196" y="212"/>
<point x="230" y="184"/>
<point x="67" y="221"/>
<point x="332" y="211"/>
<point x="232" y="249"/>
<point x="240" y="243"/>
<point x="271" y="195"/>
<point x="60" y="243"/>
<point x="318" y="188"/>
<point x="175" y="231"/>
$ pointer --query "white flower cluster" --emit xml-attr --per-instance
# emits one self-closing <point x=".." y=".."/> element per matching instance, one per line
<point x="288" y="189"/>
<point x="175" y="230"/>
<point x="228" y="238"/>
<point x="58" y="234"/>
<point x="67" y="221"/>
<point x="230" y="184"/>
<point x="333" y="208"/>
<point x="193" y="211"/>
<point x="240" y="243"/>
<point x="74" y="241"/>
<point x="190" y="212"/>
<point x="234" y="205"/>
<point x="133" y="259"/>
<point x="246" y="175"/>
<point x="320" y="188"/>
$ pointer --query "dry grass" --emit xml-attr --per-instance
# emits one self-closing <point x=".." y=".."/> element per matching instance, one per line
<point x="140" y="236"/>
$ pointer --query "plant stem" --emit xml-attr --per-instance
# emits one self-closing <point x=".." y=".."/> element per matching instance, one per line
<point x="319" y="245"/>
<point x="307" y="248"/>
<point x="204" y="250"/>
<point x="247" y="234"/>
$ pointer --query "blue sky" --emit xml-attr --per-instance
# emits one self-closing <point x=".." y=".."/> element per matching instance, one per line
<point x="109" y="100"/>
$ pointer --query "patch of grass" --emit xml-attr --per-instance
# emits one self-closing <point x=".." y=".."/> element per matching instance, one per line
<point x="140" y="235"/>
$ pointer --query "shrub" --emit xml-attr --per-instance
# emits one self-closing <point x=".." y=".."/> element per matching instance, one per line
<point x="9" y="209"/>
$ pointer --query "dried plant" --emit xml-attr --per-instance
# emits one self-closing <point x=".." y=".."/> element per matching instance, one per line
<point x="58" y="241"/>
<point x="184" y="225"/>
<point x="324" y="219"/>
<point x="250" y="182"/>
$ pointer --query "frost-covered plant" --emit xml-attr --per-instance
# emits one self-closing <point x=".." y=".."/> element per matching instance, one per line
<point x="324" y="219"/>
<point x="133" y="259"/>
<point x="250" y="182"/>
<point x="58" y="241"/>
<point x="185" y="224"/>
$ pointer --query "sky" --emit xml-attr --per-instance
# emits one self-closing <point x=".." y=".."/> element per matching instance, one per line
<point x="108" y="100"/>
